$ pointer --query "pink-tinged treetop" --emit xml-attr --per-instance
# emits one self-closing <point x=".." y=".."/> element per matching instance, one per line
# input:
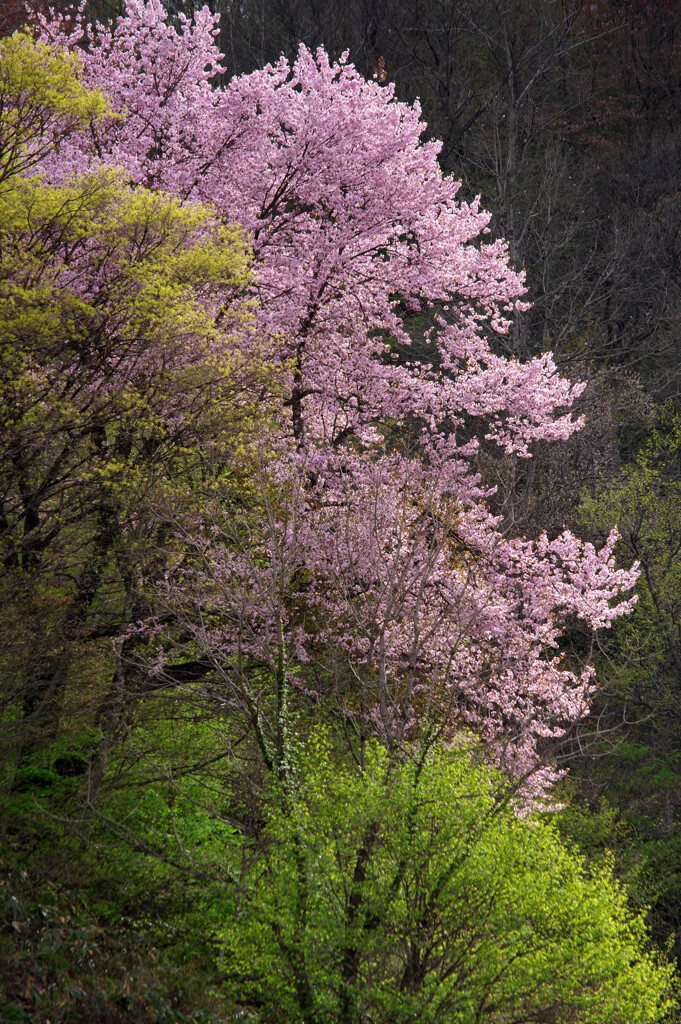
<point x="349" y="216"/>
<point x="412" y="604"/>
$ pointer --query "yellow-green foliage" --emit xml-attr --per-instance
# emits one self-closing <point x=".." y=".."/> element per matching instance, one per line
<point x="132" y="383"/>
<point x="108" y="303"/>
<point x="41" y="101"/>
<point x="97" y="261"/>
<point x="397" y="893"/>
<point x="119" y="310"/>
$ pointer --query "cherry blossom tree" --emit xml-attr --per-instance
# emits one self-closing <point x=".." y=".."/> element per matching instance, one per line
<point x="364" y="565"/>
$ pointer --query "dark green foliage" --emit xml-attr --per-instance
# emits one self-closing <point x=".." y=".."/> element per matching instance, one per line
<point x="632" y="770"/>
<point x="111" y="915"/>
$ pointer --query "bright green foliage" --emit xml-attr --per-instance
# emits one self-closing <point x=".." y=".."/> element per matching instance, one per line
<point x="41" y="103"/>
<point x="408" y="893"/>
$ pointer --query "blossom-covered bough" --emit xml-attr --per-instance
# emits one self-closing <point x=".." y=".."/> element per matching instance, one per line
<point x="366" y="568"/>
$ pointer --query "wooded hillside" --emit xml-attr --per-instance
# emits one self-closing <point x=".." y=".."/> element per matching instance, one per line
<point x="340" y="518"/>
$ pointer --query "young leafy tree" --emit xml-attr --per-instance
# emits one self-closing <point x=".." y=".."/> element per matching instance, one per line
<point x="409" y="893"/>
<point x="386" y="576"/>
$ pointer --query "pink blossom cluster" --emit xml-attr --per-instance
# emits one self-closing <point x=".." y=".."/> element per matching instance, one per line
<point x="376" y="575"/>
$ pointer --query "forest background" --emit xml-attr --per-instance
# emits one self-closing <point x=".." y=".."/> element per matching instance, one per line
<point x="116" y="815"/>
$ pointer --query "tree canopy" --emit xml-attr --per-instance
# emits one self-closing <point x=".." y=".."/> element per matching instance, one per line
<point x="404" y="893"/>
<point x="253" y="355"/>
